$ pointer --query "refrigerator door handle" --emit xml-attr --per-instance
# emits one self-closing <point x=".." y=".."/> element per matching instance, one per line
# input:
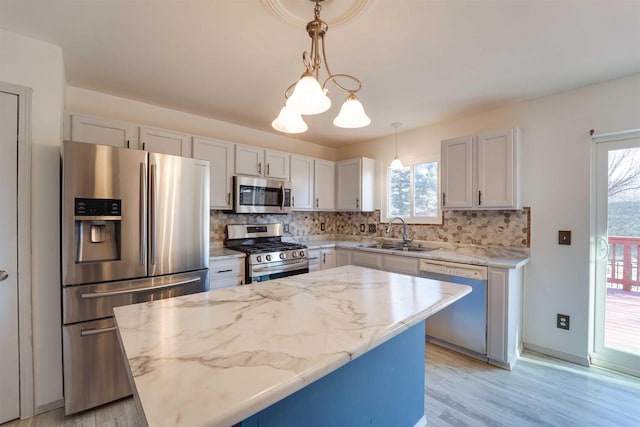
<point x="86" y="332"/>
<point x="154" y="212"/>
<point x="133" y="291"/>
<point x="143" y="214"/>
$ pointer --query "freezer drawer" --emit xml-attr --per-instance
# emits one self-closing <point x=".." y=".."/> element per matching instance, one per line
<point x="89" y="302"/>
<point x="94" y="371"/>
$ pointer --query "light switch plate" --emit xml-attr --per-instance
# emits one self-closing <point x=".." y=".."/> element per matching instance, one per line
<point x="285" y="228"/>
<point x="564" y="237"/>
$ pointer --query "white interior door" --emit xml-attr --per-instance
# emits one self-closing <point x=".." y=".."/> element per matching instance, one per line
<point x="9" y="365"/>
<point x="617" y="298"/>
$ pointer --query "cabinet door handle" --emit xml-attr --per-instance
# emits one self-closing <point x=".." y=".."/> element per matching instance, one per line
<point x="143" y="146"/>
<point x="260" y="168"/>
<point x="479" y="197"/>
<point x="444" y="199"/>
<point x="128" y="145"/>
<point x="357" y="203"/>
<point x="293" y="201"/>
<point x="224" y="271"/>
<point x="228" y="198"/>
<point x="324" y="257"/>
<point x="268" y="173"/>
<point x="317" y="202"/>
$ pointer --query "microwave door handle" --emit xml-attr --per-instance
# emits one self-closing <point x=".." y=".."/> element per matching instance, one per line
<point x="143" y="214"/>
<point x="283" y="193"/>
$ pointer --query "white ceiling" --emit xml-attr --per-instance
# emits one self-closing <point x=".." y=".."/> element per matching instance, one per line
<point x="419" y="61"/>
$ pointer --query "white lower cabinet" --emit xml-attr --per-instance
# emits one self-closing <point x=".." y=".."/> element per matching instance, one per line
<point x="401" y="264"/>
<point x="226" y="272"/>
<point x="343" y="257"/>
<point x="367" y="259"/>
<point x="504" y="316"/>
<point x="322" y="259"/>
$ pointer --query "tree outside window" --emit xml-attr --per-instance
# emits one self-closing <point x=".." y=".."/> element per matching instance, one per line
<point x="412" y="193"/>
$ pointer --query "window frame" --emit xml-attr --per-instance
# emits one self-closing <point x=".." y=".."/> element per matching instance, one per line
<point x="411" y="219"/>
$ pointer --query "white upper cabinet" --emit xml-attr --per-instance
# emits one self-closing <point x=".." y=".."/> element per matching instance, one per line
<point x="302" y="179"/>
<point x="482" y="171"/>
<point x="457" y="173"/>
<point x="97" y="130"/>
<point x="324" y="185"/>
<point x="164" y="141"/>
<point x="249" y="160"/>
<point x="498" y="170"/>
<point x="276" y="164"/>
<point x="355" y="184"/>
<point x="256" y="161"/>
<point x="220" y="155"/>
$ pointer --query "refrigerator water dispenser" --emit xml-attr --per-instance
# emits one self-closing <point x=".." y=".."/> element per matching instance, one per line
<point x="97" y="230"/>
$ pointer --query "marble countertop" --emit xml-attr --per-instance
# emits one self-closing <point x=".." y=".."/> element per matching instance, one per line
<point x="218" y="357"/>
<point x="217" y="254"/>
<point x="465" y="254"/>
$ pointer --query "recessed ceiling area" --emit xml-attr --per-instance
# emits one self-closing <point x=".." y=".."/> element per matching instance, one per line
<point x="420" y="62"/>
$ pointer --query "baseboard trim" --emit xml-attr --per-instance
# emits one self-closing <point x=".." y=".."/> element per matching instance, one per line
<point x="584" y="361"/>
<point x="41" y="409"/>
<point x="422" y="422"/>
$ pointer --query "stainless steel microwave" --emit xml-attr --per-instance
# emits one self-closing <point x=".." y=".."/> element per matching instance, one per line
<point x="261" y="195"/>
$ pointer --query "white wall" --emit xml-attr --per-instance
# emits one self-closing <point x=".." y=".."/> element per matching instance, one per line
<point x="103" y="105"/>
<point x="38" y="65"/>
<point x="556" y="174"/>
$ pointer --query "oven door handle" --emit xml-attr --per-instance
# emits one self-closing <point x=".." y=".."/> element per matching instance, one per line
<point x="281" y="267"/>
<point x="145" y="289"/>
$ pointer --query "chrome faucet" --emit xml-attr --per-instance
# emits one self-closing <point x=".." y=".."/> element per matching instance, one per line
<point x="405" y="239"/>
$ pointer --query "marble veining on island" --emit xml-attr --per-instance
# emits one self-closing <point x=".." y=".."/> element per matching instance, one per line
<point x="218" y="357"/>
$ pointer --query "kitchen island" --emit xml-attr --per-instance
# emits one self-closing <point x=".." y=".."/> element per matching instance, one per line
<point x="343" y="346"/>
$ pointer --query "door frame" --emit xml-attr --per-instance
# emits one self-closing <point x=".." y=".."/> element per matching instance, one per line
<point x="25" y="326"/>
<point x="593" y="250"/>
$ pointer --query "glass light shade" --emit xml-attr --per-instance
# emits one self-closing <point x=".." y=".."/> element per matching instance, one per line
<point x="308" y="97"/>
<point x="352" y="114"/>
<point x="396" y="163"/>
<point x="289" y="121"/>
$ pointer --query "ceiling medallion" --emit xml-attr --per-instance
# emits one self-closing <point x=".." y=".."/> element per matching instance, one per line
<point x="297" y="12"/>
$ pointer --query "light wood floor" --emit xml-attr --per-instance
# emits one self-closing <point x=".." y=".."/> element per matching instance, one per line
<point x="461" y="391"/>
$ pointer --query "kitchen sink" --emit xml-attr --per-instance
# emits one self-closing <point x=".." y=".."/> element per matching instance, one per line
<point x="394" y="247"/>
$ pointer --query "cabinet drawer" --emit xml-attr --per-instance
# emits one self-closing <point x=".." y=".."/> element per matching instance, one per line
<point x="225" y="269"/>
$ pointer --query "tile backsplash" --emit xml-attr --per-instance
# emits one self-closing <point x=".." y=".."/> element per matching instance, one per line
<point x="492" y="228"/>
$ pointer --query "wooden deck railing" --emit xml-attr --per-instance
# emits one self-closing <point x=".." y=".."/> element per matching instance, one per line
<point x="622" y="268"/>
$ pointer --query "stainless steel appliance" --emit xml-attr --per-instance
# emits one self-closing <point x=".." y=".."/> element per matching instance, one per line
<point x="135" y="228"/>
<point x="463" y="325"/>
<point x="260" y="195"/>
<point x="268" y="257"/>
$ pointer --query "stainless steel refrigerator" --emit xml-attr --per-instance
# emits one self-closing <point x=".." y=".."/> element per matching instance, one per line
<point x="135" y="228"/>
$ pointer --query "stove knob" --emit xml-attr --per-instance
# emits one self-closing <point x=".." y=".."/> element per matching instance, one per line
<point x="268" y="257"/>
<point x="283" y="255"/>
<point x="301" y="253"/>
<point x="259" y="258"/>
<point x="294" y="254"/>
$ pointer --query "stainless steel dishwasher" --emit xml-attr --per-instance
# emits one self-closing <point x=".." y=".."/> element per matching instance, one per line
<point x="463" y="325"/>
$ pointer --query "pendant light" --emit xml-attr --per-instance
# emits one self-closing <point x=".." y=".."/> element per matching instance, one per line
<point x="396" y="163"/>
<point x="307" y="96"/>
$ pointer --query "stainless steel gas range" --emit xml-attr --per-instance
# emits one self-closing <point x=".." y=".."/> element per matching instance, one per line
<point x="268" y="257"/>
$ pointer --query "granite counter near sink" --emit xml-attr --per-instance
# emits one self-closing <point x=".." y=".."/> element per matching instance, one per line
<point x="491" y="256"/>
<point x="315" y="343"/>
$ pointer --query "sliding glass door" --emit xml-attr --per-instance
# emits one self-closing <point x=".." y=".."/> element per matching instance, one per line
<point x="617" y="227"/>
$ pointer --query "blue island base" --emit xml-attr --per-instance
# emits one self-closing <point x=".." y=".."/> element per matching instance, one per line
<point x="384" y="387"/>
